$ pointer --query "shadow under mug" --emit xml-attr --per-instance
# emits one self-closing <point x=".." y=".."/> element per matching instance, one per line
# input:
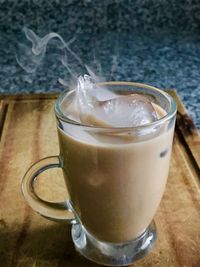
<point x="115" y="178"/>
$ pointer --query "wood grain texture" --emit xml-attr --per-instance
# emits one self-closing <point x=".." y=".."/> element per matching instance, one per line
<point x="3" y="111"/>
<point x="26" y="239"/>
<point x="188" y="130"/>
<point x="20" y="97"/>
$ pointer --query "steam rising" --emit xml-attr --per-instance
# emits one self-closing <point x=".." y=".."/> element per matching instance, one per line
<point x="30" y="58"/>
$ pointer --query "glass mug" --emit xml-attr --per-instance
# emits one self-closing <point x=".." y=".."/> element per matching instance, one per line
<point x="115" y="178"/>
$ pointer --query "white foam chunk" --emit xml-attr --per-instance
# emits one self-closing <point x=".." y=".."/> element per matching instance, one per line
<point x="105" y="107"/>
<point x="125" y="111"/>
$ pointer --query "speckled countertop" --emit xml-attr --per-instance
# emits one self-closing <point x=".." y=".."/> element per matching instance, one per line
<point x="155" y="42"/>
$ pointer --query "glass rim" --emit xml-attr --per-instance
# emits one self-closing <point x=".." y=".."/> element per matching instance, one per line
<point x="172" y="110"/>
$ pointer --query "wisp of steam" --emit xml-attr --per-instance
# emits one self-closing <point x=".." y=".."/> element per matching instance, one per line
<point x="111" y="109"/>
<point x="30" y="58"/>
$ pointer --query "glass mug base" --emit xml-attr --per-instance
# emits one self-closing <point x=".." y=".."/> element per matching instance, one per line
<point x="121" y="254"/>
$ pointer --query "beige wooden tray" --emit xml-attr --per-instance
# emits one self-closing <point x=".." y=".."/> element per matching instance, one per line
<point x="28" y="133"/>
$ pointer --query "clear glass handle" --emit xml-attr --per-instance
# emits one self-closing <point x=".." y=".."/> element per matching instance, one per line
<point x="50" y="210"/>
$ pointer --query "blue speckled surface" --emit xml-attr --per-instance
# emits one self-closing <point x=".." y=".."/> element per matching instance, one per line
<point x="155" y="42"/>
<point x="92" y="16"/>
